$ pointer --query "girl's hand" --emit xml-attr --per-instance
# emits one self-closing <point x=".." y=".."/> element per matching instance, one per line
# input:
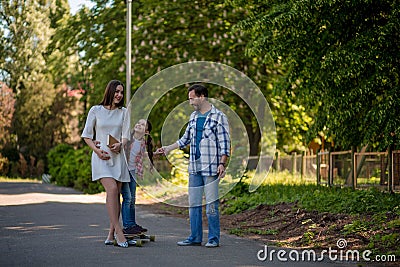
<point x="159" y="151"/>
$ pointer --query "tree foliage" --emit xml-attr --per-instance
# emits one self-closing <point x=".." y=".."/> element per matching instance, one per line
<point x="164" y="35"/>
<point x="326" y="67"/>
<point x="7" y="101"/>
<point x="96" y="38"/>
<point x="341" y="60"/>
<point x="184" y="31"/>
<point x="31" y="69"/>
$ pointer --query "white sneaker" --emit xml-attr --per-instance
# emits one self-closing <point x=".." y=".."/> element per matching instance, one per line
<point x="212" y="244"/>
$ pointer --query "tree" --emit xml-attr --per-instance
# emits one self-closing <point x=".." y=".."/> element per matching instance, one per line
<point x="7" y="101"/>
<point x="202" y="30"/>
<point x="96" y="38"/>
<point x="168" y="34"/>
<point x="26" y="35"/>
<point x="341" y="60"/>
<point x="29" y="67"/>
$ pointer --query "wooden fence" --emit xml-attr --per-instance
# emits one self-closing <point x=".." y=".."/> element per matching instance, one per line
<point x="346" y="168"/>
<point x="339" y="168"/>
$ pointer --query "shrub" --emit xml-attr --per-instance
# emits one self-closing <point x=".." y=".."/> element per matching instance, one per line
<point x="84" y="181"/>
<point x="72" y="167"/>
<point x="4" y="165"/>
<point x="23" y="166"/>
<point x="55" y="160"/>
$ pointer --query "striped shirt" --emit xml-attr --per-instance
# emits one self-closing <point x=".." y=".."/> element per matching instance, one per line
<point x="214" y="143"/>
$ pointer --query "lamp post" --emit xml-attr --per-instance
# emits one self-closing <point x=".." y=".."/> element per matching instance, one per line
<point x="128" y="50"/>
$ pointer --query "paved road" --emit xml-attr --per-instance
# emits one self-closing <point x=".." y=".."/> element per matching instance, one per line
<point x="46" y="225"/>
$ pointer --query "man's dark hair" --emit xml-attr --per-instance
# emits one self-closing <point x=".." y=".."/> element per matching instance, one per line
<point x="199" y="90"/>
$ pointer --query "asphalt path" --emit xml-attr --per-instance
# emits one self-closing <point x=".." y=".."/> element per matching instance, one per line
<point x="48" y="225"/>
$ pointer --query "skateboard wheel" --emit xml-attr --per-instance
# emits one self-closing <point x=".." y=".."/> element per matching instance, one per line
<point x="139" y="243"/>
<point x="152" y="238"/>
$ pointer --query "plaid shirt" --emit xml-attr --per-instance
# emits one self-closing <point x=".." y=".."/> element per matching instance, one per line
<point x="214" y="143"/>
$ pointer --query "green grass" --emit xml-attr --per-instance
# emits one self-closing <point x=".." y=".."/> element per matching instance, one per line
<point x="242" y="232"/>
<point x="286" y="188"/>
<point x="376" y="213"/>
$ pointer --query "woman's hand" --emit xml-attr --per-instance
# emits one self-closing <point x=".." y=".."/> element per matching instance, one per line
<point x="102" y="154"/>
<point x="116" y="148"/>
<point x="96" y="143"/>
<point x="96" y="146"/>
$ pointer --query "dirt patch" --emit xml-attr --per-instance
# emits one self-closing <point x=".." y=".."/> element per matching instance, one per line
<point x="287" y="225"/>
<point x="284" y="224"/>
<point x="290" y="226"/>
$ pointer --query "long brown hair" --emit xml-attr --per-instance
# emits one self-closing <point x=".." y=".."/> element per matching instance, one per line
<point x="110" y="92"/>
<point x="149" y="141"/>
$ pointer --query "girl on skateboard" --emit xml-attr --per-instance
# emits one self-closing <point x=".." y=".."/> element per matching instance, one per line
<point x="140" y="140"/>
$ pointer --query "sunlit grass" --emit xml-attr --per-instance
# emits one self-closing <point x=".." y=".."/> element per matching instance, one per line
<point x="4" y="179"/>
<point x="167" y="187"/>
<point x="283" y="178"/>
<point x="170" y="188"/>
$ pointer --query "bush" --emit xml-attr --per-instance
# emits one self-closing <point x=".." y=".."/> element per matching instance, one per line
<point x="23" y="166"/>
<point x="55" y="160"/>
<point x="16" y="164"/>
<point x="4" y="165"/>
<point x="72" y="167"/>
<point x="84" y="181"/>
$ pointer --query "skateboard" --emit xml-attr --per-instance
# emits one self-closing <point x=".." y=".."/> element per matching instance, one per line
<point x="138" y="239"/>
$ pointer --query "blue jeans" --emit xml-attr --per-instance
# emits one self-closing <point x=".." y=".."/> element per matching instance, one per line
<point x="208" y="185"/>
<point x="128" y="192"/>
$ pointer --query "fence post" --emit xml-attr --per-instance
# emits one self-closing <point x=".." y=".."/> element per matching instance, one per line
<point x="353" y="167"/>
<point x="390" y="169"/>
<point x="318" y="168"/>
<point x="303" y="165"/>
<point x="277" y="161"/>
<point x="294" y="163"/>
<point x="330" y="170"/>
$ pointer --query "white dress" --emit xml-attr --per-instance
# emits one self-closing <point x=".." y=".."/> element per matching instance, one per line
<point x="99" y="123"/>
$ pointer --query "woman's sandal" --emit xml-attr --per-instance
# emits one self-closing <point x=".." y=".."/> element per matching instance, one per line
<point x="109" y="242"/>
<point x="120" y="244"/>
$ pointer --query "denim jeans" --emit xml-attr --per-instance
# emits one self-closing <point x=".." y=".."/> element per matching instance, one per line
<point x="128" y="192"/>
<point x="208" y="185"/>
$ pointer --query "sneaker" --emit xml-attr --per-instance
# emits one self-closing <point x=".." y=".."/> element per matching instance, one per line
<point x="212" y="244"/>
<point x="188" y="243"/>
<point x="131" y="231"/>
<point x="140" y="228"/>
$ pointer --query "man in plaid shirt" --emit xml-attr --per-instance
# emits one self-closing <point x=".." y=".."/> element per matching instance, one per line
<point x="208" y="135"/>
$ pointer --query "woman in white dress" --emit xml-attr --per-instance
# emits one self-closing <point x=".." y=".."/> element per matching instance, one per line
<point x="108" y="164"/>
